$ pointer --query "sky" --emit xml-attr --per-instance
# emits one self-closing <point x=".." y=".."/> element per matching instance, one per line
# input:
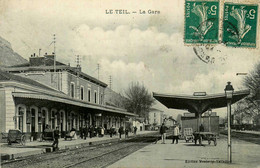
<point x="147" y="48"/>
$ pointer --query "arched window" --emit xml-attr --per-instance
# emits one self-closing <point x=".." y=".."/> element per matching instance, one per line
<point x="33" y="113"/>
<point x="53" y="112"/>
<point x="20" y="121"/>
<point x="72" y="89"/>
<point x="43" y="118"/>
<point x="89" y="95"/>
<point x="82" y="93"/>
<point x="101" y="99"/>
<point x="95" y="97"/>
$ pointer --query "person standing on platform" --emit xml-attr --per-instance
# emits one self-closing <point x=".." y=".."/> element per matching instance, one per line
<point x="201" y="128"/>
<point x="91" y="131"/>
<point x="135" y="130"/>
<point x="111" y="131"/>
<point x="56" y="138"/>
<point x="176" y="133"/>
<point x="163" y="133"/>
<point x="85" y="132"/>
<point x="102" y="132"/>
<point x="120" y="131"/>
<point x="81" y="132"/>
<point x="126" y="132"/>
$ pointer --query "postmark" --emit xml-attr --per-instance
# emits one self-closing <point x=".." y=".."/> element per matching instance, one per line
<point x="240" y="25"/>
<point x="210" y="55"/>
<point x="201" y="22"/>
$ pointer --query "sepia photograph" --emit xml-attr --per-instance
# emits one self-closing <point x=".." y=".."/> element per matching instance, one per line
<point x="130" y="83"/>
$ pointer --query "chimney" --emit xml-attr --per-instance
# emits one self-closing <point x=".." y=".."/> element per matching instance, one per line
<point x="33" y="54"/>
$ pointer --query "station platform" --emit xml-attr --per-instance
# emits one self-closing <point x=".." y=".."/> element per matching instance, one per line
<point x="15" y="151"/>
<point x="244" y="154"/>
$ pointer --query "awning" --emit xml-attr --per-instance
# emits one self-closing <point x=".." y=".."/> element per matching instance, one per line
<point x="198" y="104"/>
<point x="68" y="100"/>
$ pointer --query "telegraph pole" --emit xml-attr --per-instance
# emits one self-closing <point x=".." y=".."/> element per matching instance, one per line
<point x="78" y="60"/>
<point x="54" y="52"/>
<point x="78" y="71"/>
<point x="110" y="82"/>
<point x="55" y="79"/>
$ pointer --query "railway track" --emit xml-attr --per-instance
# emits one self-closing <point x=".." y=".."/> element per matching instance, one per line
<point x="110" y="152"/>
<point x="253" y="138"/>
<point x="124" y="150"/>
<point x="57" y="154"/>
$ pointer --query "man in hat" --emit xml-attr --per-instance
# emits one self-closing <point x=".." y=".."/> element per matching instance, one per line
<point x="176" y="133"/>
<point x="163" y="133"/>
<point x="56" y="138"/>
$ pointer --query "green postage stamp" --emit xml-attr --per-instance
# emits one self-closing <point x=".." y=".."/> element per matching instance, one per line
<point x="240" y="25"/>
<point x="201" y="22"/>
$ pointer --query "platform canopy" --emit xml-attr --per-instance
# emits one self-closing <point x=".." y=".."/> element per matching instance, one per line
<point x="200" y="103"/>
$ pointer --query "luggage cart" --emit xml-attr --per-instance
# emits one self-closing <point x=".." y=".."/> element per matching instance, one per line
<point x="208" y="136"/>
<point x="188" y="134"/>
<point x="16" y="136"/>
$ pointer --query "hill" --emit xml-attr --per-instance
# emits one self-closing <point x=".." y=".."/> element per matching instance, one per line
<point x="7" y="56"/>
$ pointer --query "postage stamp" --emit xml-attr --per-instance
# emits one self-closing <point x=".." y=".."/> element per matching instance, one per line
<point x="240" y="25"/>
<point x="201" y="22"/>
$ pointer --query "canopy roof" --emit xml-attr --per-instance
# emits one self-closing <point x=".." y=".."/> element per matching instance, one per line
<point x="198" y="104"/>
<point x="68" y="100"/>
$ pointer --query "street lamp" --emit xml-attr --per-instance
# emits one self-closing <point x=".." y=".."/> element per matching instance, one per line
<point x="229" y="90"/>
<point x="209" y="112"/>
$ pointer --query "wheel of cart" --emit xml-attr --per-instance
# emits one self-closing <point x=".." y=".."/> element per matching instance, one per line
<point x="200" y="139"/>
<point x="16" y="136"/>
<point x="215" y="142"/>
<point x="214" y="139"/>
<point x="211" y="137"/>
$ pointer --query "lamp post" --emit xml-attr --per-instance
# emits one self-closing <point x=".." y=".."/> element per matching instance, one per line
<point x="229" y="94"/>
<point x="209" y="112"/>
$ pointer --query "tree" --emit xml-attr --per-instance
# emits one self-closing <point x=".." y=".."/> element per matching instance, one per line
<point x="139" y="100"/>
<point x="241" y="112"/>
<point x="252" y="82"/>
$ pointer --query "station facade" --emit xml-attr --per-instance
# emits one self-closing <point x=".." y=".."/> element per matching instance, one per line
<point x="47" y="92"/>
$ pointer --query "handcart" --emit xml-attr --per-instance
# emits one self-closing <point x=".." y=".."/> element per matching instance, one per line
<point x="48" y="135"/>
<point x="70" y="135"/>
<point x="209" y="136"/>
<point x="188" y="134"/>
<point x="16" y="136"/>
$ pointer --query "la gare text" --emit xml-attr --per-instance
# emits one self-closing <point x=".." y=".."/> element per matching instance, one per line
<point x="123" y="11"/>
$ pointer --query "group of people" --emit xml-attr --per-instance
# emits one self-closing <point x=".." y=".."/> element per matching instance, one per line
<point x="86" y="131"/>
<point x="121" y="131"/>
<point x="91" y="131"/>
<point x="176" y="133"/>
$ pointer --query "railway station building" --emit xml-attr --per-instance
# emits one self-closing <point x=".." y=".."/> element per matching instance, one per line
<point x="47" y="92"/>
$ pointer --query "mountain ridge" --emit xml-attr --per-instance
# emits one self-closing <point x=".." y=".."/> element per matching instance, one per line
<point x="7" y="55"/>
